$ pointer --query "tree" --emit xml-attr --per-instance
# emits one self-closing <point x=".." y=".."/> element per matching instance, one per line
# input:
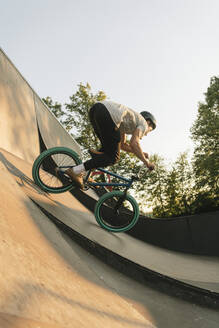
<point x="151" y="188"/>
<point x="168" y="191"/>
<point x="179" y="193"/>
<point x="56" y="108"/>
<point x="205" y="134"/>
<point x="185" y="184"/>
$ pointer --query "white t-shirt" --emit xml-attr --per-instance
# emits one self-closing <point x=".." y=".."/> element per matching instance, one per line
<point x="126" y="119"/>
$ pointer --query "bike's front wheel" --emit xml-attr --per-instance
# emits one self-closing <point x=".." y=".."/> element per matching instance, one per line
<point x="116" y="211"/>
<point x="49" y="166"/>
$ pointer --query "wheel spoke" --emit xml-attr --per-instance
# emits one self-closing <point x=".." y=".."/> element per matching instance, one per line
<point x="114" y="216"/>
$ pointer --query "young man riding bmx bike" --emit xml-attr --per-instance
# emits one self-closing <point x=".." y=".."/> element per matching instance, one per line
<point x="111" y="123"/>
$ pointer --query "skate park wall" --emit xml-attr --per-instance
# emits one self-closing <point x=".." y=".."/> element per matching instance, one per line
<point x="194" y="234"/>
<point x="18" y="126"/>
<point x="23" y="114"/>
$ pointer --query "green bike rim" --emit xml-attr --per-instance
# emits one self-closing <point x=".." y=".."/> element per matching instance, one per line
<point x="36" y="170"/>
<point x="106" y="197"/>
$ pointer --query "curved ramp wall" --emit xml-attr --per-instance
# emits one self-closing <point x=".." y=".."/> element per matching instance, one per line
<point x="197" y="234"/>
<point x="194" y="234"/>
<point x="52" y="132"/>
<point x="22" y="113"/>
<point x="18" y="126"/>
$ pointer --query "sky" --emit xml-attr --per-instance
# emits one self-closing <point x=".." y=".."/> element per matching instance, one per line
<point x="155" y="55"/>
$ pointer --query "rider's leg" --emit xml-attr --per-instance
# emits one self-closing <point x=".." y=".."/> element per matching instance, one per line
<point x="94" y="124"/>
<point x="103" y="159"/>
<point x="109" y="136"/>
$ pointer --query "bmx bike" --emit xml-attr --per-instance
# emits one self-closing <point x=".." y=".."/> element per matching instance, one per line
<point x="115" y="211"/>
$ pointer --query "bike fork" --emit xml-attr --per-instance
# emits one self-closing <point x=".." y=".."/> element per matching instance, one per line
<point x="120" y="202"/>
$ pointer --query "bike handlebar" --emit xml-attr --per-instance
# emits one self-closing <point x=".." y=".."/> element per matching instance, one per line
<point x="137" y="176"/>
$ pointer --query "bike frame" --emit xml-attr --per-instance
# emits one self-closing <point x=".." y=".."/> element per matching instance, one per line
<point x="127" y="182"/>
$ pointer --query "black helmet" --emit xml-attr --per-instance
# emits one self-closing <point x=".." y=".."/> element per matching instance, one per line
<point x="150" y="117"/>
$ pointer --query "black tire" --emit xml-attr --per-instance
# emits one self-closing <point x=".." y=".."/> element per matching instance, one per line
<point x="116" y="221"/>
<point x="45" y="165"/>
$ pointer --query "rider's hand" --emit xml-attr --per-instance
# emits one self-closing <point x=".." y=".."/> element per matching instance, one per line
<point x="146" y="155"/>
<point x="150" y="166"/>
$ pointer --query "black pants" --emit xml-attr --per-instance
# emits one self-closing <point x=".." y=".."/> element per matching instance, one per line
<point x="109" y="136"/>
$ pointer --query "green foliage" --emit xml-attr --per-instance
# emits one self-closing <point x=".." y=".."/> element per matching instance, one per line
<point x="205" y="134"/>
<point x="56" y="108"/>
<point x="180" y="187"/>
<point x="151" y="188"/>
<point x="168" y="190"/>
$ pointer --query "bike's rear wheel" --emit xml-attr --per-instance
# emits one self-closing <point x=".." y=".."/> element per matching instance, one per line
<point x="115" y="219"/>
<point x="46" y="167"/>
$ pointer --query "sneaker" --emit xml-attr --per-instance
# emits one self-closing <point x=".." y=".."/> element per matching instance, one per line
<point x="77" y="178"/>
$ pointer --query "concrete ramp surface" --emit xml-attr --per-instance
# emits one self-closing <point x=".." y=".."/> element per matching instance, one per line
<point x="38" y="282"/>
<point x="46" y="278"/>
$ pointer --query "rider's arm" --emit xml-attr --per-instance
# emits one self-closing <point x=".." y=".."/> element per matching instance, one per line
<point x="124" y="145"/>
<point x="134" y="147"/>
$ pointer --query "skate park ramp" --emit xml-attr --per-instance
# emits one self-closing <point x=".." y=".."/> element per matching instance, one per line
<point x="48" y="280"/>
